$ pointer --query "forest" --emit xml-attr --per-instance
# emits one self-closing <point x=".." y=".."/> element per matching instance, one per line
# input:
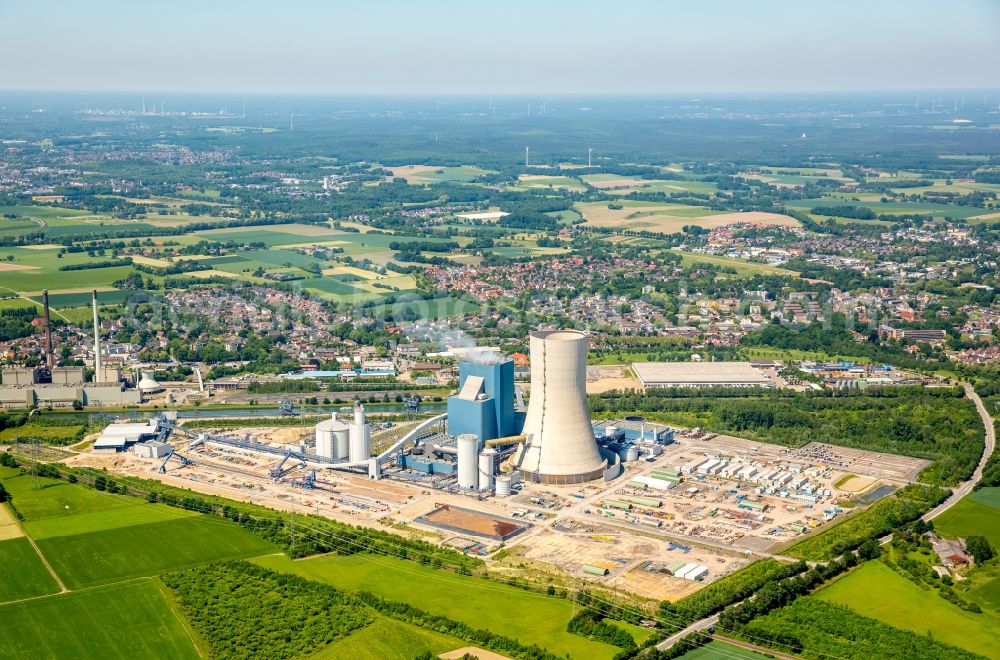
<point x="244" y="611"/>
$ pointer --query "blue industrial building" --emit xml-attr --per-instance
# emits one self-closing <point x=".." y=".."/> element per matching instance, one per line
<point x="484" y="404"/>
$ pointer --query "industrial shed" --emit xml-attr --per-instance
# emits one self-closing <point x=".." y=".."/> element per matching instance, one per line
<point x="699" y="374"/>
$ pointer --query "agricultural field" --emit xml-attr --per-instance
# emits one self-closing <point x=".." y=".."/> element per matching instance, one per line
<point x="152" y="548"/>
<point x="537" y="619"/>
<point x="669" y="218"/>
<point x="876" y="591"/>
<point x="428" y="174"/>
<point x="893" y="208"/>
<point x="128" y="620"/>
<point x="553" y="181"/>
<point x="22" y="573"/>
<point x="665" y="186"/>
<point x="976" y="514"/>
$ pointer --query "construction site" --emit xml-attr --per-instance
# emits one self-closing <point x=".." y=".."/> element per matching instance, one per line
<point x="653" y="510"/>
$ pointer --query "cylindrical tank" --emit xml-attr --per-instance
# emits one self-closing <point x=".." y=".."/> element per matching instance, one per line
<point x="560" y="445"/>
<point x="487" y="468"/>
<point x="342" y="443"/>
<point x="327" y="433"/>
<point x="632" y="453"/>
<point x="590" y="569"/>
<point x="503" y="486"/>
<point x="468" y="468"/>
<point x="361" y="437"/>
<point x="609" y="431"/>
<point x="655" y="450"/>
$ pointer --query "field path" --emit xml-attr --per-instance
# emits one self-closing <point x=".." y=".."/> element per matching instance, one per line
<point x="48" y="567"/>
<point x="24" y="297"/>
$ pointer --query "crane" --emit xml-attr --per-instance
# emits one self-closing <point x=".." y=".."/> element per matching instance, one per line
<point x="183" y="459"/>
<point x="278" y="470"/>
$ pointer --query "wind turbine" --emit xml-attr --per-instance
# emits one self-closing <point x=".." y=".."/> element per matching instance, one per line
<point x="589" y="152"/>
<point x="526" y="156"/>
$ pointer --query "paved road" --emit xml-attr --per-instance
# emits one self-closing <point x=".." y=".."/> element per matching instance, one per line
<point x="960" y="492"/>
<point x="991" y="439"/>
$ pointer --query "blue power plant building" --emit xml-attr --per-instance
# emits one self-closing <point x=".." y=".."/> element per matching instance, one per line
<point x="484" y="404"/>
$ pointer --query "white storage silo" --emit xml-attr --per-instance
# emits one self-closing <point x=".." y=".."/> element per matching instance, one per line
<point x="468" y="468"/>
<point x="361" y="436"/>
<point x="560" y="446"/>
<point x="342" y="443"/>
<point x="503" y="486"/>
<point x="632" y="453"/>
<point x="327" y="433"/>
<point x="487" y="468"/>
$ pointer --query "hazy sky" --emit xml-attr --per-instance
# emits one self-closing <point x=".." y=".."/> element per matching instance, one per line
<point x="504" y="46"/>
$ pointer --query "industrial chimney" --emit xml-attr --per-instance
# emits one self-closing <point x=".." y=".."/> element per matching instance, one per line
<point x="48" y="330"/>
<point x="97" y="343"/>
<point x="560" y="446"/>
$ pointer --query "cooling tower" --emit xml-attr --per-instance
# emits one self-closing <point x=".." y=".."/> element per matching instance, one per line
<point x="560" y="446"/>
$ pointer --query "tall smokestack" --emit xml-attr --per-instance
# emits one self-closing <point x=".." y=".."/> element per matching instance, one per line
<point x="97" y="343"/>
<point x="48" y="330"/>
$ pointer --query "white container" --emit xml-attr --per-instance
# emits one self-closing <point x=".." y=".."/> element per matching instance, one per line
<point x="503" y="486"/>
<point x="487" y="463"/>
<point x="468" y="468"/>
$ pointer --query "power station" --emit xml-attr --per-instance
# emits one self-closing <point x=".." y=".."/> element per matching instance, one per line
<point x="487" y="442"/>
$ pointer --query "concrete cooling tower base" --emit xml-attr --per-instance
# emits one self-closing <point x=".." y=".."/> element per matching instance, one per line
<point x="560" y="447"/>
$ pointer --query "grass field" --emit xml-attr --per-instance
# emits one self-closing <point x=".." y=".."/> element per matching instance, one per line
<point x="979" y="513"/>
<point x="669" y="218"/>
<point x="743" y="268"/>
<point x="22" y="574"/>
<point x="528" y="181"/>
<point x="715" y="650"/>
<point x="425" y="174"/>
<point x="388" y="639"/>
<point x="95" y="521"/>
<point x="876" y="591"/>
<point x="111" y="555"/>
<point x="39" y="498"/>
<point x="533" y="618"/>
<point x="125" y="621"/>
<point x="53" y="434"/>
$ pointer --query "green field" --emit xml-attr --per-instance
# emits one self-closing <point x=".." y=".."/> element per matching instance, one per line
<point x="876" y="591"/>
<point x="715" y="650"/>
<point x="22" y="574"/>
<point x="95" y="521"/>
<point x="893" y="208"/>
<point x="532" y="618"/>
<point x="977" y="514"/>
<point x="388" y="639"/>
<point x="111" y="555"/>
<point x="39" y="498"/>
<point x="126" y="621"/>
<point x="54" y="434"/>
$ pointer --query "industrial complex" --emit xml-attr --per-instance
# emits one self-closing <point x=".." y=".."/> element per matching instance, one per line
<point x="627" y="502"/>
<point x="63" y="387"/>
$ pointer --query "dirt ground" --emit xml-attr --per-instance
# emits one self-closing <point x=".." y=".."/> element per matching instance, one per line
<point x="856" y="484"/>
<point x="9" y="529"/>
<point x="606" y="378"/>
